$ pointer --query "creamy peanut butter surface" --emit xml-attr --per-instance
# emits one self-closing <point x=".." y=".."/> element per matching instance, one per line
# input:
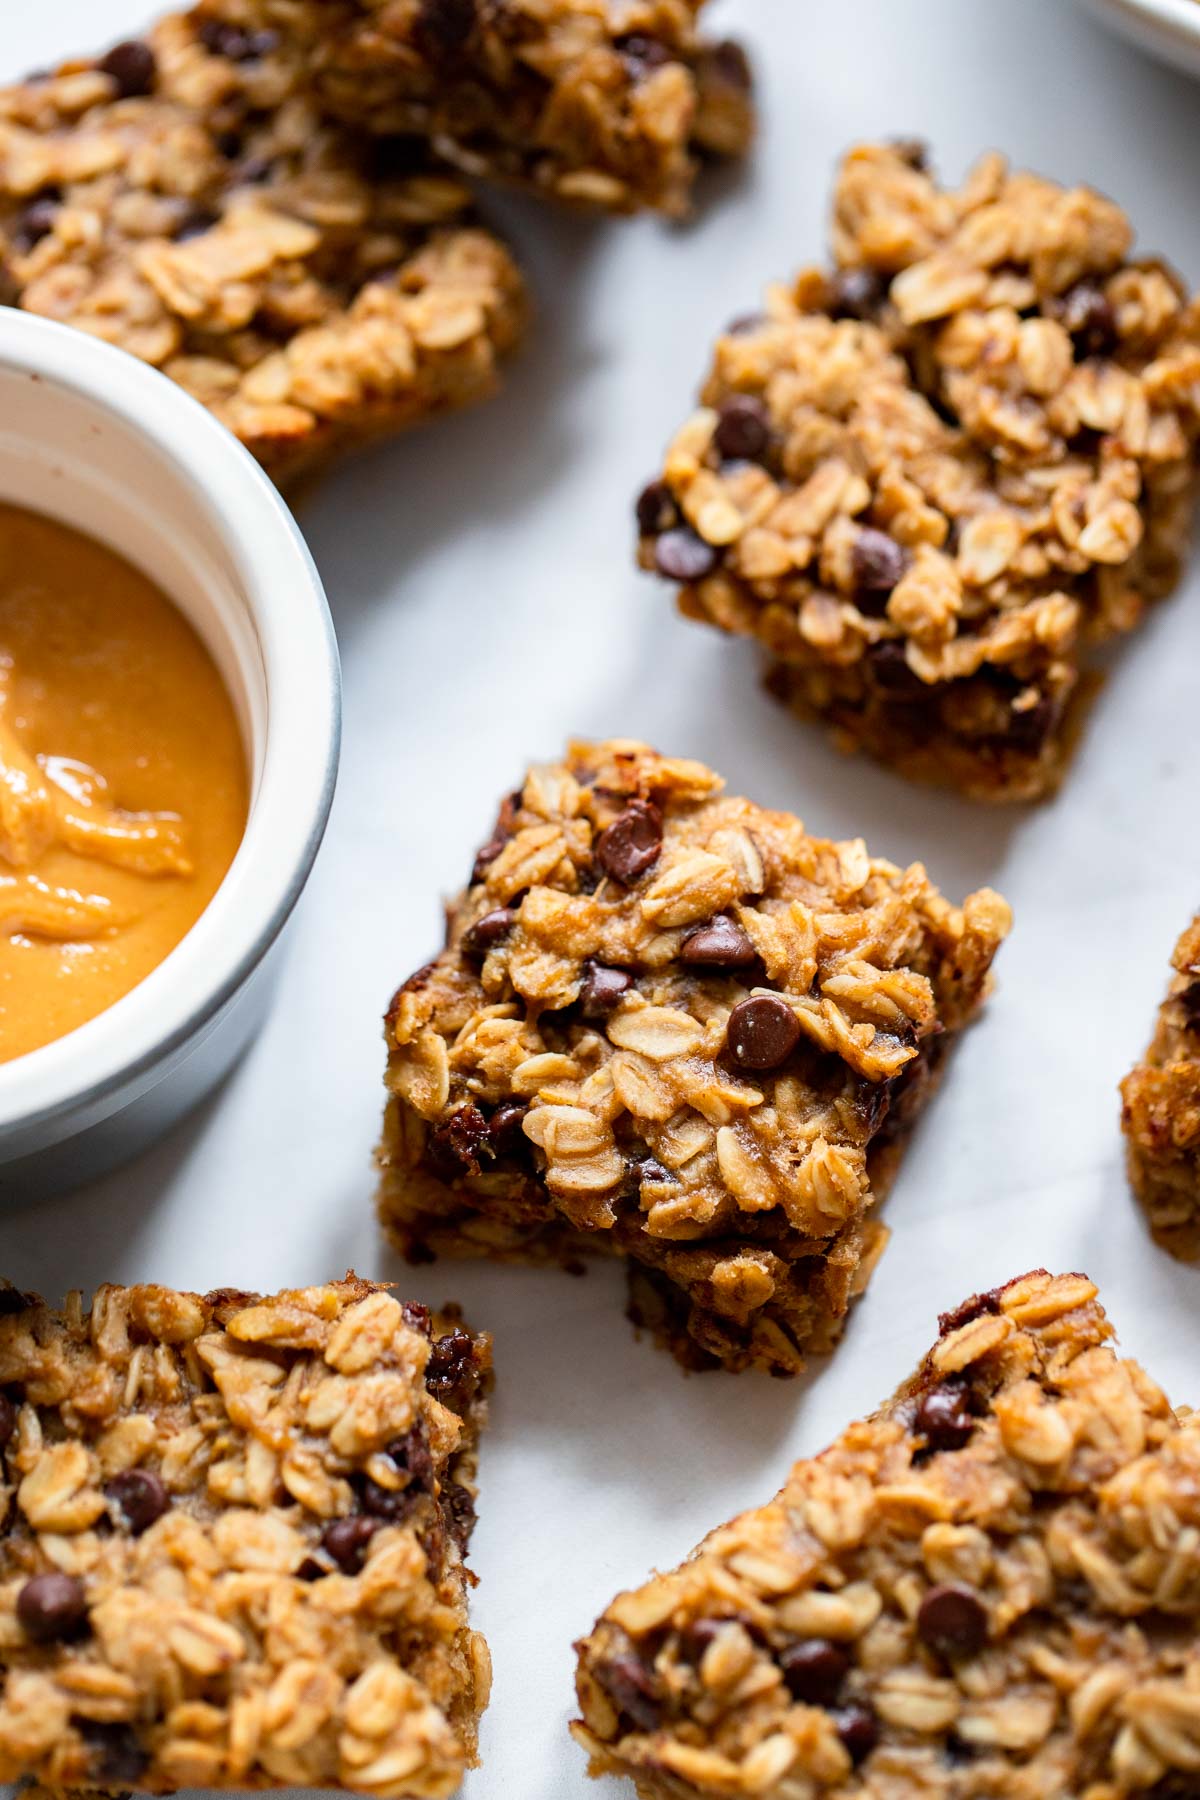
<point x="123" y="787"/>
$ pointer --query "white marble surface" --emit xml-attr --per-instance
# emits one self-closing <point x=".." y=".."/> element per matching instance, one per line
<point x="481" y="583"/>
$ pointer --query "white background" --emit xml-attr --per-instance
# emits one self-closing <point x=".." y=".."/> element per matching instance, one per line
<point x="481" y="583"/>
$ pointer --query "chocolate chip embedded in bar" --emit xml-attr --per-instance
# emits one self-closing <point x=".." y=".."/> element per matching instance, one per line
<point x="927" y="480"/>
<point x="603" y="103"/>
<point x="675" y="1027"/>
<point x="1007" y="1609"/>
<point x="232" y="1547"/>
<point x="181" y="198"/>
<point x="1160" y="1112"/>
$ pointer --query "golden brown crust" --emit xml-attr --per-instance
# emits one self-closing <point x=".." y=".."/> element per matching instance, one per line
<point x="1160" y="1110"/>
<point x="310" y="292"/>
<point x="232" y="1543"/>
<point x="928" y="480"/>
<point x="987" y="1591"/>
<point x="564" y="1076"/>
<point x="602" y="103"/>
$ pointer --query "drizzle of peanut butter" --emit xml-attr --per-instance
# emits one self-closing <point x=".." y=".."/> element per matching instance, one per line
<point x="122" y="779"/>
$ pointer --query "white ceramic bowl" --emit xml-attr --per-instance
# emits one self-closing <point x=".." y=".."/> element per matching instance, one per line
<point x="93" y="437"/>
<point x="1168" y="29"/>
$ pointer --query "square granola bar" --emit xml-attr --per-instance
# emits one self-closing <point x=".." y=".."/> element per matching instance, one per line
<point x="928" y="480"/>
<point x="1160" y="1111"/>
<point x="675" y="1027"/>
<point x="989" y="1589"/>
<point x="181" y="198"/>
<point x="232" y="1544"/>
<point x="603" y="103"/>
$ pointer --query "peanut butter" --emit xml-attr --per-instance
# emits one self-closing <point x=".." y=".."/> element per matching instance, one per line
<point x="123" y="786"/>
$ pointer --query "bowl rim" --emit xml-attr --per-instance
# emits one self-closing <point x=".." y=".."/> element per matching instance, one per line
<point x="122" y="1045"/>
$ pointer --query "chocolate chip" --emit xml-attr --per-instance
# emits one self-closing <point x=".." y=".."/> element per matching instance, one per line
<point x="974" y="1308"/>
<point x="444" y="26"/>
<point x="697" y="1636"/>
<point x="632" y="843"/>
<point x="877" y="561"/>
<point x="459" y="1510"/>
<point x="114" y="1754"/>
<point x="1088" y="314"/>
<point x="132" y="66"/>
<point x="642" y="54"/>
<point x="814" y="1670"/>
<point x="632" y="1688"/>
<point x="488" y="931"/>
<point x="858" y="1729"/>
<point x="856" y="294"/>
<point x="412" y="1455"/>
<point x="505" y="1133"/>
<point x="454" y="1146"/>
<point x="1030" y="726"/>
<point x="13" y="1301"/>
<point x="195" y="224"/>
<point x="346" y="1541"/>
<point x="416" y="1316"/>
<point x="762" y="1032"/>
<point x="952" y="1620"/>
<point x="37" y="219"/>
<point x="602" y="989"/>
<point x="450" y="1374"/>
<point x="656" y="509"/>
<point x="500" y="836"/>
<point x="1188" y="1002"/>
<point x="236" y="45"/>
<point x="912" y="150"/>
<point x="873" y="1102"/>
<point x="944" y="1419"/>
<point x="743" y="429"/>
<point x="392" y="1504"/>
<point x="729" y="61"/>
<point x="718" y="945"/>
<point x="8" y="1420"/>
<point x="52" y="1607"/>
<point x="649" y="1169"/>
<point x="892" y="672"/>
<point x="681" y="555"/>
<point x="141" y="1495"/>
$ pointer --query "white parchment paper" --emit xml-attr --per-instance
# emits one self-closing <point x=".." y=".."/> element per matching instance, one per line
<point x="481" y="582"/>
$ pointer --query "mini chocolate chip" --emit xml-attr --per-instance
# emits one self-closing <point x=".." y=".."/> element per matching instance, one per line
<point x="743" y="429"/>
<point x="858" y="1729"/>
<point x="656" y="509"/>
<point x="1088" y="314"/>
<point x="912" y="150"/>
<point x="648" y="1168"/>
<point x="505" y="1133"/>
<point x="450" y="1374"/>
<point x="681" y="555"/>
<point x="1030" y="726"/>
<point x="727" y="59"/>
<point x="132" y="66"/>
<point x="500" y="836"/>
<point x="488" y="931"/>
<point x="814" y="1670"/>
<point x="642" y="54"/>
<point x="8" y="1420"/>
<point x="392" y="1504"/>
<point x="602" y="989"/>
<point x="974" y="1308"/>
<point x="236" y="45"/>
<point x="944" y="1419"/>
<point x="718" y="945"/>
<point x="228" y="144"/>
<point x="1188" y="1002"/>
<point x="417" y="1317"/>
<point x="445" y="25"/>
<point x="195" y="224"/>
<point x="873" y="1102"/>
<point x="632" y="843"/>
<point x="697" y="1636"/>
<point x="892" y="672"/>
<point x="141" y="1495"/>
<point x="952" y="1620"/>
<point x="459" y="1509"/>
<point x="762" y="1032"/>
<point x="114" y="1753"/>
<point x="311" y="1570"/>
<point x="632" y="1688"/>
<point x="37" y="220"/>
<point x="455" y="1144"/>
<point x="346" y="1540"/>
<point x="13" y="1301"/>
<point x="856" y="294"/>
<point x="412" y="1454"/>
<point x="877" y="561"/>
<point x="52" y="1607"/>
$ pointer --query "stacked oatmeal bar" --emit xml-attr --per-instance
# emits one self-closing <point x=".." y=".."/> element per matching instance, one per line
<point x="927" y="479"/>
<point x="232" y="1544"/>
<point x="675" y="1027"/>
<point x="989" y="1589"/>
<point x="182" y="198"/>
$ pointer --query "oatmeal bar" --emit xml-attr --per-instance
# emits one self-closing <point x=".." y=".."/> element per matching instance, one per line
<point x="181" y="198"/>
<point x="231" y="1541"/>
<point x="990" y="1590"/>
<point x="1160" y="1112"/>
<point x="604" y="103"/>
<point x="929" y="480"/>
<point x="675" y="1027"/>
